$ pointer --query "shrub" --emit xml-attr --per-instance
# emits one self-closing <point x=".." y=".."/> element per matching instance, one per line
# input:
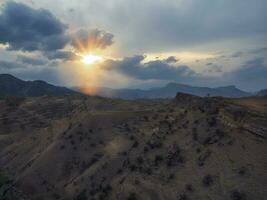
<point x="189" y="187"/>
<point x="212" y="121"/>
<point x="133" y="167"/>
<point x="195" y="136"/>
<point x="3" y="179"/>
<point x="140" y="160"/>
<point x="171" y="176"/>
<point x="202" y="158"/>
<point x="106" y="189"/>
<point x="207" y="180"/>
<point x="146" y="118"/>
<point x="158" y="159"/>
<point x="236" y="195"/>
<point x="132" y="196"/>
<point x="135" y="144"/>
<point x="131" y="137"/>
<point x="182" y="197"/>
<point x="136" y="182"/>
<point x="242" y="171"/>
<point x="145" y="149"/>
<point x="148" y="171"/>
<point x="14" y="101"/>
<point x="92" y="145"/>
<point x="81" y="196"/>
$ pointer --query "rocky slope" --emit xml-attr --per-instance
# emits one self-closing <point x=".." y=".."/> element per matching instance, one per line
<point x="80" y="148"/>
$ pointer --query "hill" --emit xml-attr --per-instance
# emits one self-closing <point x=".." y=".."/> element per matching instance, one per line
<point x="78" y="147"/>
<point x="12" y="86"/>
<point x="262" y="93"/>
<point x="169" y="91"/>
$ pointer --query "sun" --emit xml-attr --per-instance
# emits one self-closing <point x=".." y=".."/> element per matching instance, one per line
<point x="89" y="59"/>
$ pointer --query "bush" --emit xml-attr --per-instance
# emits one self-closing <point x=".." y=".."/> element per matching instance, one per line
<point x="131" y="137"/>
<point x="81" y="196"/>
<point x="202" y="158"/>
<point x="3" y="179"/>
<point x="207" y="180"/>
<point x="198" y="150"/>
<point x="14" y="101"/>
<point x="236" y="195"/>
<point x="135" y="144"/>
<point x="171" y="176"/>
<point x="158" y="159"/>
<point x="119" y="171"/>
<point x="242" y="171"/>
<point x="189" y="187"/>
<point x="133" y="167"/>
<point x="195" y="136"/>
<point x="148" y="171"/>
<point x="140" y="160"/>
<point x="145" y="149"/>
<point x="182" y="197"/>
<point x="136" y="182"/>
<point x="132" y="196"/>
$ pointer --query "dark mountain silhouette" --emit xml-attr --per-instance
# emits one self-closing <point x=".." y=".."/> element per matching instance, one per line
<point x="262" y="92"/>
<point x="12" y="86"/>
<point x="170" y="90"/>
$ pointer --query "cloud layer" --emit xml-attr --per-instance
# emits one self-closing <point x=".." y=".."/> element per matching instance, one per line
<point x="161" y="29"/>
<point x="27" y="29"/>
<point x="93" y="39"/>
<point x="156" y="69"/>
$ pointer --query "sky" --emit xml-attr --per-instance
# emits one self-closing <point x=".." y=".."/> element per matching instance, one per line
<point x="139" y="44"/>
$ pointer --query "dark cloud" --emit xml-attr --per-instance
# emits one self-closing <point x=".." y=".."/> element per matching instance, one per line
<point x="30" y="72"/>
<point x="94" y="39"/>
<point x="60" y="55"/>
<point x="214" y="68"/>
<point x="259" y="50"/>
<point x="187" y="23"/>
<point x="160" y="70"/>
<point x="27" y="29"/>
<point x="237" y="54"/>
<point x="48" y="74"/>
<point x="209" y="64"/>
<point x="30" y="60"/>
<point x="252" y="75"/>
<point x="8" y="65"/>
<point x="171" y="59"/>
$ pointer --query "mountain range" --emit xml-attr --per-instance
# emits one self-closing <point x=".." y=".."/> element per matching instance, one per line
<point x="12" y="86"/>
<point x="170" y="90"/>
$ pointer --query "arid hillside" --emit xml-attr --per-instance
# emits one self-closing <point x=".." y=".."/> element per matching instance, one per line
<point x="78" y="148"/>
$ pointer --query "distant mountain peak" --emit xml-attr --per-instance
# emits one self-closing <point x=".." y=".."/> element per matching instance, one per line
<point x="12" y="86"/>
<point x="262" y="92"/>
<point x="174" y="84"/>
<point x="8" y="76"/>
<point x="228" y="87"/>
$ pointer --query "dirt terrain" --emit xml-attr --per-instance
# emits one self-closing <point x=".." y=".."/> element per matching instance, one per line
<point x="78" y="147"/>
